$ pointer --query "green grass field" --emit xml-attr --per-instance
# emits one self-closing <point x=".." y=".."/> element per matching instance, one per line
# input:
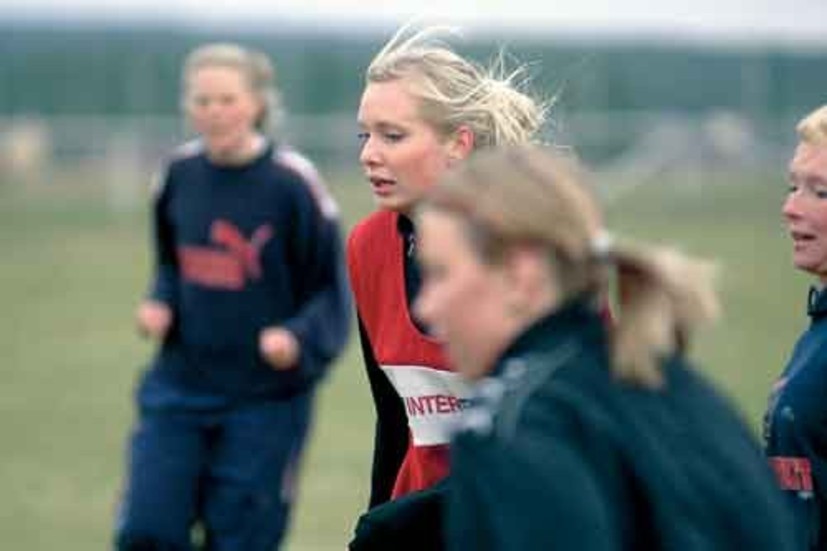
<point x="73" y="270"/>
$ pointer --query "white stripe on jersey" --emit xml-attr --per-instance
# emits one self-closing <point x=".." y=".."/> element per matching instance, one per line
<point x="183" y="151"/>
<point x="433" y="400"/>
<point x="303" y="167"/>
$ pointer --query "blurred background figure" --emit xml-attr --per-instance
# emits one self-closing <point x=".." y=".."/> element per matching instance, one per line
<point x="794" y="426"/>
<point x="423" y="110"/>
<point x="249" y="306"/>
<point x="578" y="437"/>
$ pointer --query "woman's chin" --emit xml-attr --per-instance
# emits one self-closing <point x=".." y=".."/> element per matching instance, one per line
<point x="390" y="202"/>
<point x="224" y="148"/>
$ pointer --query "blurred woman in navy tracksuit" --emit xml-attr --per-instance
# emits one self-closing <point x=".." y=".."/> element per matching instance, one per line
<point x="249" y="305"/>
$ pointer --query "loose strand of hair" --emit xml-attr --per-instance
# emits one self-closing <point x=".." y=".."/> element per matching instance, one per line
<point x="408" y="38"/>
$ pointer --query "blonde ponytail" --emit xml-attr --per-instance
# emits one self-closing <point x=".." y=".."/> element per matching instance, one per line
<point x="663" y="295"/>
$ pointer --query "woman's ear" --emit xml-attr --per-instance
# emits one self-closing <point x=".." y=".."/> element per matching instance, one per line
<point x="530" y="283"/>
<point x="462" y="144"/>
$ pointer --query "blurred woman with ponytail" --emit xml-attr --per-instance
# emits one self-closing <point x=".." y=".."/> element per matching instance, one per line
<point x="579" y="435"/>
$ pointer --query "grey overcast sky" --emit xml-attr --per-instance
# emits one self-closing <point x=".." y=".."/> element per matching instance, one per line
<point x="780" y="20"/>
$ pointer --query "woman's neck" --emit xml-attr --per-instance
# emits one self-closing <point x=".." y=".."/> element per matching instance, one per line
<point x="252" y="146"/>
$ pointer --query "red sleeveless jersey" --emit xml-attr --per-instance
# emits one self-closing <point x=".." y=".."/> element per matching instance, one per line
<point x="415" y="363"/>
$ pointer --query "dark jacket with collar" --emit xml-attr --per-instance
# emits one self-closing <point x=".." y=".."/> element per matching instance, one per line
<point x="559" y="455"/>
<point x="795" y="428"/>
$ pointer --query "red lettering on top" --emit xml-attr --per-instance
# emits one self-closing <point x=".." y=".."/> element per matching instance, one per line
<point x="792" y="473"/>
<point x="425" y="404"/>
<point x="227" y="268"/>
<point x="225" y="233"/>
<point x="210" y="268"/>
<point x="413" y="406"/>
<point x="443" y="404"/>
<point x="432" y="403"/>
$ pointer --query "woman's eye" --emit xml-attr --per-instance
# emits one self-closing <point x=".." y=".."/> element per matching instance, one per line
<point x="363" y="136"/>
<point x="394" y="137"/>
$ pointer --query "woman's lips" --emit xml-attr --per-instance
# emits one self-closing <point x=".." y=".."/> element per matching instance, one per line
<point x="381" y="186"/>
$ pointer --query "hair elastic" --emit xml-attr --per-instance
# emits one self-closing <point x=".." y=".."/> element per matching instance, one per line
<point x="602" y="245"/>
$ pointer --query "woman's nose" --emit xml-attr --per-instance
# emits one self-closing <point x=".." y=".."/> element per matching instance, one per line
<point x="369" y="155"/>
<point x="792" y="205"/>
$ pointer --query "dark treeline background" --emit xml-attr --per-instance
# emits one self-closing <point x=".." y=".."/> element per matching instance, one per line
<point x="133" y="70"/>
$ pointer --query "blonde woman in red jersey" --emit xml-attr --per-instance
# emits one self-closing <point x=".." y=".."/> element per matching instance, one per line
<point x="424" y="108"/>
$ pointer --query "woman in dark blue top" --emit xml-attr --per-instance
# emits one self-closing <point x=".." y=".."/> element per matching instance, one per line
<point x="796" y="422"/>
<point x="249" y="305"/>
<point x="579" y="436"/>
